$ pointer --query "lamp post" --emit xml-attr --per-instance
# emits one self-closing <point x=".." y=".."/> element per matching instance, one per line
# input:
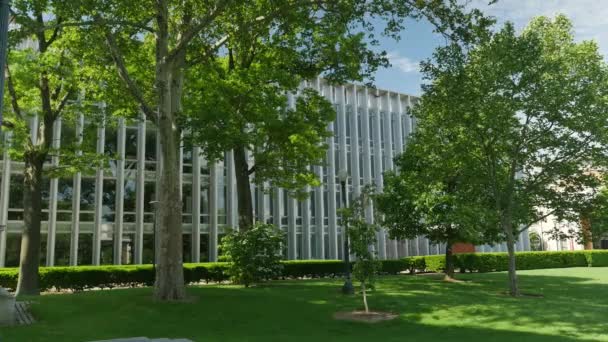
<point x="347" y="288"/>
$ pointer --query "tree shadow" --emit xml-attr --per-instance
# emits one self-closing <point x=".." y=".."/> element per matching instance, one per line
<point x="429" y="310"/>
<point x="569" y="306"/>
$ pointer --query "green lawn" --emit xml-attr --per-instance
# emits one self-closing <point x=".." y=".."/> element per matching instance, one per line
<point x="574" y="307"/>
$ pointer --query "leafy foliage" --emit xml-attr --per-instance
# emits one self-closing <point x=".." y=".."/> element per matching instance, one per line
<point x="526" y="114"/>
<point x="254" y="254"/>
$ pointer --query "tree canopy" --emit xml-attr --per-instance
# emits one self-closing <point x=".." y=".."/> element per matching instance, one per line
<point x="527" y="114"/>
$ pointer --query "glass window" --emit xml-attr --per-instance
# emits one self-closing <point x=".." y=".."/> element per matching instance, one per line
<point x="65" y="194"/>
<point x="87" y="194"/>
<point x="131" y="143"/>
<point x="109" y="201"/>
<point x="150" y="144"/>
<point x="128" y="249"/>
<point x="62" y="249"/>
<point x="85" y="249"/>
<point x="187" y="247"/>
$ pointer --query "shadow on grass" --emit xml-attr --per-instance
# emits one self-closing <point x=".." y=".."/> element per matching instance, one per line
<point x="569" y="306"/>
<point x="302" y="310"/>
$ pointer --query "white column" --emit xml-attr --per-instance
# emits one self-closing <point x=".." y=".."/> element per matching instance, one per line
<point x="213" y="223"/>
<point x="365" y="131"/>
<point x="402" y="246"/>
<point x="54" y="187"/>
<point x="331" y="170"/>
<point x="262" y="203"/>
<point x="231" y="215"/>
<point x="292" y="210"/>
<point x="120" y="190"/>
<point x="139" y="188"/>
<point x="4" y="198"/>
<point x="306" y="229"/>
<point x="76" y="190"/>
<point x="526" y="240"/>
<point x="101" y="138"/>
<point x="377" y="136"/>
<point x="276" y="209"/>
<point x="196" y="204"/>
<point x="388" y="148"/>
<point x="354" y="141"/>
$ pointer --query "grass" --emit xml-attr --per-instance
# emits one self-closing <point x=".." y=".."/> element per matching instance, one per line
<point x="574" y="307"/>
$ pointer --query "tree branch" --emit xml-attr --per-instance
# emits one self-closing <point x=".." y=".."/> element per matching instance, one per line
<point x="13" y="93"/>
<point x="63" y="102"/>
<point x="140" y="25"/>
<point x="55" y="31"/>
<point x="195" y="29"/>
<point x="251" y="170"/>
<point x="209" y="52"/>
<point x="123" y="73"/>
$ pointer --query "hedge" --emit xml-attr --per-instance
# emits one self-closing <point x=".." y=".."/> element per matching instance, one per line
<point x="86" y="277"/>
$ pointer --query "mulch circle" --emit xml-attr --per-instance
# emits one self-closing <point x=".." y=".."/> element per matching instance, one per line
<point x="367" y="317"/>
<point x="524" y="295"/>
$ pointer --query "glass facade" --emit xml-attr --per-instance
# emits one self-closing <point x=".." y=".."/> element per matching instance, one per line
<point x="106" y="217"/>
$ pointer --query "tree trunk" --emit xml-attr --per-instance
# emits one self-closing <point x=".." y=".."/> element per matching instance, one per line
<point x="449" y="261"/>
<point x="586" y="229"/>
<point x="364" y="297"/>
<point x="513" y="288"/>
<point x="169" y="282"/>
<point x="28" y="283"/>
<point x="243" y="189"/>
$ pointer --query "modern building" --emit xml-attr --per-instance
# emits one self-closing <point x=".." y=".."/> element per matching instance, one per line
<point x="107" y="217"/>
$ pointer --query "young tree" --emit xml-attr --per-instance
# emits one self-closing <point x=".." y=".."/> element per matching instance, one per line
<point x="362" y="236"/>
<point x="43" y="83"/>
<point x="432" y="194"/>
<point x="528" y="114"/>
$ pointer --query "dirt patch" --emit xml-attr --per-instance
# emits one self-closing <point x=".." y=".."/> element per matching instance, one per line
<point x="367" y="317"/>
<point x="523" y="295"/>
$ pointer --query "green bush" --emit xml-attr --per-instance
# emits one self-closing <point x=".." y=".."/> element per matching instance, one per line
<point x="489" y="262"/>
<point x="598" y="258"/>
<point x="254" y="254"/>
<point x="414" y="264"/>
<point x="434" y="263"/>
<point x="312" y="268"/>
<point x="394" y="266"/>
<point x="87" y="277"/>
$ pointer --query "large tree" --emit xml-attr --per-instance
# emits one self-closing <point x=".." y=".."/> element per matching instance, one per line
<point x="44" y="81"/>
<point x="433" y="194"/>
<point x="529" y="114"/>
<point x="244" y="92"/>
<point x="155" y="45"/>
<point x="148" y="45"/>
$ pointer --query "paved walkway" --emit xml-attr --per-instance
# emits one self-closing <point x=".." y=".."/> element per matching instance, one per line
<point x="145" y="339"/>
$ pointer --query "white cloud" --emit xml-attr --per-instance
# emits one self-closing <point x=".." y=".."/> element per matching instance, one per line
<point x="403" y="63"/>
<point x="589" y="17"/>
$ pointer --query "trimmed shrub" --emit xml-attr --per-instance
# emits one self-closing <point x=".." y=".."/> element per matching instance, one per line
<point x="434" y="263"/>
<point x="598" y="258"/>
<point x="394" y="266"/>
<point x="490" y="262"/>
<point x="312" y="268"/>
<point x="87" y="277"/>
<point x="415" y="264"/>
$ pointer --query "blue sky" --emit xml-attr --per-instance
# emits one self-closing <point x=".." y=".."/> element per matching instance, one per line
<point x="589" y="18"/>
